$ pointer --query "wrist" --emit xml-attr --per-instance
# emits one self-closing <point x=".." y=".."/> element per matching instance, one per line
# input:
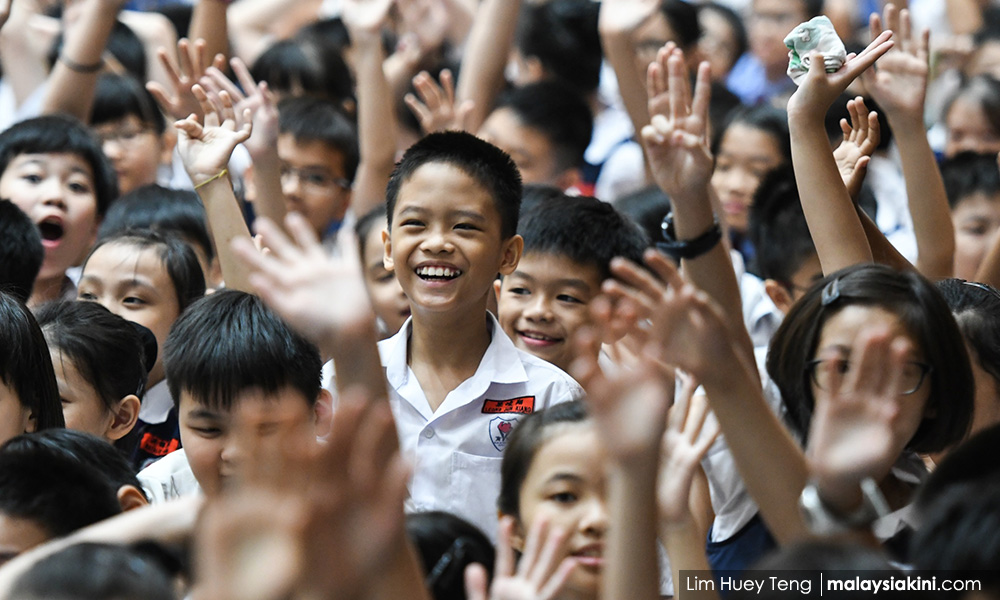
<point x="213" y="178"/>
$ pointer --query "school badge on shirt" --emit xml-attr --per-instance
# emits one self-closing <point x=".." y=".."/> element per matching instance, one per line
<point x="500" y="428"/>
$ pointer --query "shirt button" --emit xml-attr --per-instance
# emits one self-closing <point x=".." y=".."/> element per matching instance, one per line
<point x="428" y="433"/>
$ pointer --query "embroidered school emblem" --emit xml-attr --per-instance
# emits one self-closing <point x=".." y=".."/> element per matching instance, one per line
<point x="500" y="428"/>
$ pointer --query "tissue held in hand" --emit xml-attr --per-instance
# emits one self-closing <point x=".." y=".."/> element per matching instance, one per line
<point x="815" y="35"/>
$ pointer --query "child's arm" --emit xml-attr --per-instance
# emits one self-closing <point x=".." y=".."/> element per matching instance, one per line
<point x="629" y="412"/>
<point x="256" y="24"/>
<point x="677" y="148"/>
<point x="537" y="575"/>
<point x="192" y="63"/>
<point x="205" y="151"/>
<point x="899" y="87"/>
<point x="376" y="113"/>
<point x="73" y="79"/>
<point x="209" y="23"/>
<point x="485" y="57"/>
<point x="989" y="269"/>
<point x="861" y="137"/>
<point x="23" y="49"/>
<point x="836" y="231"/>
<point x="691" y="429"/>
<point x="321" y="297"/>
<point x="688" y="329"/>
<point x="617" y="22"/>
<point x="263" y="142"/>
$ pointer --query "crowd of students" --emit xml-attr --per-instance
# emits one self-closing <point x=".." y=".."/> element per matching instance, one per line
<point x="494" y="299"/>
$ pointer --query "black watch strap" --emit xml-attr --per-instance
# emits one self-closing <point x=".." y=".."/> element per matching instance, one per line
<point x="687" y="249"/>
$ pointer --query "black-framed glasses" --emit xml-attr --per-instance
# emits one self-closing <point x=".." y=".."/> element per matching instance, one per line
<point x="822" y="375"/>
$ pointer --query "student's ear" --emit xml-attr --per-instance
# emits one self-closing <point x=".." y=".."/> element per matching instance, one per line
<point x="168" y="139"/>
<point x="779" y="295"/>
<point x="529" y="68"/>
<point x="387" y="257"/>
<point x="517" y="537"/>
<point x="30" y="422"/>
<point x="124" y="419"/>
<point x="497" y="284"/>
<point x="131" y="497"/>
<point x="512" y="249"/>
<point x="323" y="412"/>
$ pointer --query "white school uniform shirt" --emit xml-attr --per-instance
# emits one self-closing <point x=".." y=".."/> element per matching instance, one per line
<point x="455" y="452"/>
<point x="169" y="478"/>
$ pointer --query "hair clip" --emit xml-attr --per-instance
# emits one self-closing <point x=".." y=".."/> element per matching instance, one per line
<point x="831" y="292"/>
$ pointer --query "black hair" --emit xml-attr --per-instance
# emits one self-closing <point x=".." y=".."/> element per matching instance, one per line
<point x="364" y="225"/>
<point x="61" y="134"/>
<point x="959" y="533"/>
<point x="53" y="490"/>
<point x="813" y="8"/>
<point x="21" y="251"/>
<point x="535" y="194"/>
<point x="969" y="173"/>
<point x="583" y="229"/>
<point x="178" y="259"/>
<point x="104" y="348"/>
<point x="95" y="571"/>
<point x="923" y="314"/>
<point x="179" y="212"/>
<point x="123" y="44"/>
<point x="314" y="119"/>
<point x="488" y="165"/>
<point x="25" y="364"/>
<point x="735" y="23"/>
<point x="522" y="446"/>
<point x="558" y="112"/>
<point x="331" y="31"/>
<point x="446" y="545"/>
<point x="682" y="17"/>
<point x="984" y="90"/>
<point x="305" y="65"/>
<point x="89" y="450"/>
<point x="972" y="462"/>
<point x="563" y="36"/>
<point x="778" y="228"/>
<point x="229" y="342"/>
<point x="646" y="208"/>
<point x="119" y="96"/>
<point x="772" y="121"/>
<point x="976" y="307"/>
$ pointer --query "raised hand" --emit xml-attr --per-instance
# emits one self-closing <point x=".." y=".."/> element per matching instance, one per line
<point x="181" y="101"/>
<point x="540" y="573"/>
<point x="861" y="138"/>
<point x="819" y="89"/>
<point x="365" y="16"/>
<point x="427" y="20"/>
<point x="255" y="97"/>
<point x="205" y="149"/>
<point x="676" y="141"/>
<point x="899" y="85"/>
<point x="624" y="16"/>
<point x="435" y="109"/>
<point x="859" y="425"/>
<point x="318" y="295"/>
<point x="691" y="430"/>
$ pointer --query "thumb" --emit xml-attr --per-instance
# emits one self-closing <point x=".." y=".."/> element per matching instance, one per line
<point x="475" y="582"/>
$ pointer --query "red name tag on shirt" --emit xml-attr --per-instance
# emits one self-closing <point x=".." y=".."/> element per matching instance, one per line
<point x="524" y="405"/>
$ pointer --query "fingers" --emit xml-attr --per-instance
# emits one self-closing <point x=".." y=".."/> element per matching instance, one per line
<point x="475" y="582"/>
<point x="550" y="557"/>
<point x="664" y="269"/>
<point x="505" y="562"/>
<point x="169" y="67"/>
<point x="702" y="92"/>
<point x="677" y="84"/>
<point x="585" y="368"/>
<point x="184" y="58"/>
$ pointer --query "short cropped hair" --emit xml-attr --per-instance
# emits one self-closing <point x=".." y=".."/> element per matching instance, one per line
<point x="89" y="450"/>
<point x="21" y="251"/>
<point x="646" y="208"/>
<point x="121" y="96"/>
<point x="365" y="224"/>
<point x="178" y="259"/>
<point x="106" y="349"/>
<point x="558" y="112"/>
<point x="563" y="36"/>
<point x="161" y="209"/>
<point x="25" y="364"/>
<point x="316" y="120"/>
<point x="583" y="229"/>
<point x="60" y="134"/>
<point x="924" y="315"/>
<point x="682" y="17"/>
<point x="306" y="63"/>
<point x="58" y="493"/>
<point x="969" y="173"/>
<point x="488" y="165"/>
<point x="229" y="342"/>
<point x="778" y="228"/>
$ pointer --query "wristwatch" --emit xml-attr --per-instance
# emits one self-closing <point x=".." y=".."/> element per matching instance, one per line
<point x="687" y="249"/>
<point x="820" y="519"/>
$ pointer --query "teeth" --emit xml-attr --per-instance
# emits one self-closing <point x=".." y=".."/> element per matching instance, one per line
<point x="537" y="336"/>
<point x="438" y="272"/>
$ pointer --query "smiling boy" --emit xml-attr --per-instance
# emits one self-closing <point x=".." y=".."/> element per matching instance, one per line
<point x="458" y="386"/>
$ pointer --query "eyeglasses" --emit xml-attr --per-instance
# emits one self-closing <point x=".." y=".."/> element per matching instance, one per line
<point x="127" y="135"/>
<point x="315" y="179"/>
<point x="822" y="375"/>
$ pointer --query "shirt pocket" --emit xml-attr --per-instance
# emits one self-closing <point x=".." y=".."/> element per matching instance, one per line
<point x="474" y="487"/>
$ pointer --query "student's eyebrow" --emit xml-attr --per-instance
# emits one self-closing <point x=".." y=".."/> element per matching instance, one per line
<point x="417" y="210"/>
<point x="136" y="282"/>
<point x="570" y="477"/>
<point x="568" y="282"/>
<point x="469" y="214"/>
<point x="203" y="413"/>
